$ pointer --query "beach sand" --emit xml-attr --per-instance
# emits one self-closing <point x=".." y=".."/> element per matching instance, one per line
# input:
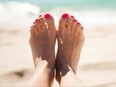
<point x="97" y="66"/>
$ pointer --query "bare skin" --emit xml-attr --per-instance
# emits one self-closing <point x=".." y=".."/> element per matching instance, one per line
<point x="42" y="42"/>
<point x="70" y="42"/>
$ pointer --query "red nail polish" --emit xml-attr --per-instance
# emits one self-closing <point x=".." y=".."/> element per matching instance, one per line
<point x="78" y="23"/>
<point x="47" y="16"/>
<point x="36" y="20"/>
<point x="75" y="20"/>
<point x="72" y="17"/>
<point x="65" y="15"/>
<point x="33" y="22"/>
<point x="40" y="15"/>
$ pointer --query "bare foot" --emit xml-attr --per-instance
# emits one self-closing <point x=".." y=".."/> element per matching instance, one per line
<point x="70" y="42"/>
<point x="42" y="42"/>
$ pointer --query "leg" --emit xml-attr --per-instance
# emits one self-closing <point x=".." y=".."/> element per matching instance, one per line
<point x="42" y="42"/>
<point x="70" y="42"/>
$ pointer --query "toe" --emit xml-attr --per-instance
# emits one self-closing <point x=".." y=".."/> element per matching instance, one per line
<point x="69" y="23"/>
<point x="77" y="28"/>
<point x="81" y="35"/>
<point x="34" y="30"/>
<point x="38" y="24"/>
<point x="81" y="31"/>
<point x="50" y="21"/>
<point x="74" y="24"/>
<point x="63" y="21"/>
<point x="42" y="22"/>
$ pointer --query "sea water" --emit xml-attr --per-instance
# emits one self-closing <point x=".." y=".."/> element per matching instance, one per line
<point x="23" y="12"/>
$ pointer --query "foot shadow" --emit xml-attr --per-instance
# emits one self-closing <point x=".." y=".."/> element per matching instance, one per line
<point x="15" y="77"/>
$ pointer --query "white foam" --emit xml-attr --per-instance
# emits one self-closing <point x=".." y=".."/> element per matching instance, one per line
<point x="23" y="14"/>
<point x="88" y="17"/>
<point x="16" y="8"/>
<point x="15" y="13"/>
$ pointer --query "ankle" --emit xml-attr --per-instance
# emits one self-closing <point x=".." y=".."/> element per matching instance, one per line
<point x="63" y="68"/>
<point x="43" y="66"/>
<point x="62" y="71"/>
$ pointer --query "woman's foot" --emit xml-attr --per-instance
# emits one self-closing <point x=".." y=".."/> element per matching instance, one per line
<point x="42" y="42"/>
<point x="70" y="42"/>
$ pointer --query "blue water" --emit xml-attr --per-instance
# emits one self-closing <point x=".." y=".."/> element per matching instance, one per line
<point x="80" y="4"/>
<point x="87" y="11"/>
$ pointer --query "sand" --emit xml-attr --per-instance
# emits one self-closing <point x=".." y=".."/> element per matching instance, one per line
<point x="97" y="66"/>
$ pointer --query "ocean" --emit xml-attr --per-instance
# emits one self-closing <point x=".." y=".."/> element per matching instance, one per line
<point x="86" y="11"/>
<point x="80" y="4"/>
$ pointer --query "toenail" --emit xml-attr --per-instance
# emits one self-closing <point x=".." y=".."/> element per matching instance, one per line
<point x="40" y="15"/>
<point x="33" y="22"/>
<point x="65" y="15"/>
<point x="75" y="20"/>
<point x="78" y="23"/>
<point x="47" y="16"/>
<point x="36" y="20"/>
<point x="72" y="17"/>
<point x="82" y="27"/>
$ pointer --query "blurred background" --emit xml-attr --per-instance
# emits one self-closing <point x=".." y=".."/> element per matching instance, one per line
<point x="97" y="66"/>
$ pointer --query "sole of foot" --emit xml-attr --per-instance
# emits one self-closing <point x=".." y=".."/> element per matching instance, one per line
<point x="70" y="42"/>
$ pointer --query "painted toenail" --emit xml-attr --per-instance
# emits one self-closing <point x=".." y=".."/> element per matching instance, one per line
<point x="82" y="28"/>
<point x="65" y="15"/>
<point x="40" y="15"/>
<point x="72" y="17"/>
<point x="47" y="16"/>
<point x="36" y="20"/>
<point x="75" y="20"/>
<point x="33" y="22"/>
<point x="78" y="23"/>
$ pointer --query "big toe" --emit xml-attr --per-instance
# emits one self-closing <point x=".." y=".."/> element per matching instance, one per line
<point x="50" y="21"/>
<point x="63" y="21"/>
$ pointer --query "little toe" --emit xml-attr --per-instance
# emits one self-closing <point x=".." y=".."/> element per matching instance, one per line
<point x="81" y="31"/>
<point x="34" y="31"/>
<point x="81" y="35"/>
<point x="50" y="21"/>
<point x="78" y="27"/>
<point x="63" y="21"/>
